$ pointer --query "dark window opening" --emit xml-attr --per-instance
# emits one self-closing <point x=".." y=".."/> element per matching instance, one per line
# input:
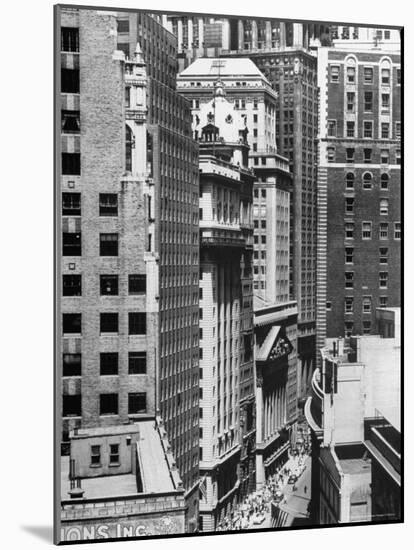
<point x="114" y="453"/>
<point x="137" y="323"/>
<point x="109" y="364"/>
<point x="128" y="148"/>
<point x="95" y="455"/>
<point x="137" y="284"/>
<point x="109" y="322"/>
<point x="123" y="25"/>
<point x="72" y="364"/>
<point x="72" y="405"/>
<point x="108" y="244"/>
<point x="71" y="164"/>
<point x="71" y="244"/>
<point x="137" y="362"/>
<point x="71" y="204"/>
<point x="137" y="403"/>
<point x="69" y="81"/>
<point x="72" y="323"/>
<point x="108" y="204"/>
<point x="109" y="285"/>
<point x="69" y="39"/>
<point x="109" y="403"/>
<point x="70" y="122"/>
<point x="72" y="285"/>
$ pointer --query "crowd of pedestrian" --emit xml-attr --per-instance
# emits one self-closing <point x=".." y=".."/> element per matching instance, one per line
<point x="252" y="510"/>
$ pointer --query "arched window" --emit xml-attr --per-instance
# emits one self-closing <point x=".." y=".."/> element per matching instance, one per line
<point x="350" y="179"/>
<point x="128" y="149"/>
<point x="385" y="179"/>
<point x="367" y="180"/>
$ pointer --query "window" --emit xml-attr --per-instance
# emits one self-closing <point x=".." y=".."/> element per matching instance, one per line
<point x="349" y="255"/>
<point x="263" y="193"/>
<point x="385" y="102"/>
<point x="385" y="156"/>
<point x="349" y="279"/>
<point x="383" y="301"/>
<point x="383" y="255"/>
<point x="137" y="284"/>
<point x="350" y="154"/>
<point x="71" y="164"/>
<point x="72" y="364"/>
<point x="366" y="230"/>
<point x="72" y="323"/>
<point x="109" y="285"/>
<point x="350" y="128"/>
<point x="398" y="77"/>
<point x="328" y="306"/>
<point x="367" y="180"/>
<point x="368" y="102"/>
<point x="263" y="224"/>
<point x="350" y="75"/>
<point x="368" y="75"/>
<point x="350" y="101"/>
<point x="398" y="130"/>
<point x="331" y="154"/>
<point x="109" y="363"/>
<point x="137" y="323"/>
<point x="256" y="193"/>
<point x="349" y="205"/>
<point x="332" y="128"/>
<point x="256" y="224"/>
<point x="108" y="403"/>
<point x="385" y="130"/>
<point x="137" y="403"/>
<point x="69" y="81"/>
<point x="72" y="285"/>
<point x="123" y="25"/>
<point x="71" y="204"/>
<point x="71" y="244"/>
<point x="255" y="118"/>
<point x="350" y="179"/>
<point x="70" y="122"/>
<point x="95" y="455"/>
<point x="368" y="128"/>
<point x="366" y="304"/>
<point x="137" y="362"/>
<point x="367" y="155"/>
<point x="349" y="231"/>
<point x="72" y="405"/>
<point x="334" y="73"/>
<point x="366" y="327"/>
<point x="108" y="204"/>
<point x="108" y="244"/>
<point x="384" y="207"/>
<point x="383" y="279"/>
<point x="109" y="322"/>
<point x="349" y="328"/>
<point x="114" y="453"/>
<point x="383" y="233"/>
<point x="398" y="156"/>
<point x="385" y="77"/>
<point x="127" y="96"/>
<point x="385" y="181"/>
<point x="397" y="230"/>
<point x="69" y="39"/>
<point x="349" y="305"/>
<point x="263" y="239"/>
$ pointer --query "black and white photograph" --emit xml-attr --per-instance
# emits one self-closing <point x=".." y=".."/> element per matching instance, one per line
<point x="228" y="283"/>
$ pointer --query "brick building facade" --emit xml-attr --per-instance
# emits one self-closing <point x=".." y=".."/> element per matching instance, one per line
<point x="359" y="194"/>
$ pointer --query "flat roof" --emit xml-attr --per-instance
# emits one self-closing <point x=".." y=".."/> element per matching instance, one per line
<point x="224" y="66"/>
<point x="354" y="466"/>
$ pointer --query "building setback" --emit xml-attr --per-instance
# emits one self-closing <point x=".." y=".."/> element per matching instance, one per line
<point x="359" y="195"/>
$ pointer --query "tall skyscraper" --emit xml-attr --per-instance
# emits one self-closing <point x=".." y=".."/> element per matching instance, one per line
<point x="227" y="428"/>
<point x="359" y="194"/>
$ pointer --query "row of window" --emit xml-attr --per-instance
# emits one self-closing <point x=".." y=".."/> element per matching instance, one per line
<point x="366" y="306"/>
<point x="71" y="204"/>
<point x="367" y="180"/>
<point x="367" y="155"/>
<point x="349" y="328"/>
<point x="349" y="255"/>
<point x="350" y="203"/>
<point x="108" y="404"/>
<point x="382" y="277"/>
<point x="137" y="363"/>
<point x="72" y="244"/>
<point x="367" y="75"/>
<point x="137" y="323"/>
<point x="368" y="129"/>
<point x="367" y="230"/>
<point x="109" y="285"/>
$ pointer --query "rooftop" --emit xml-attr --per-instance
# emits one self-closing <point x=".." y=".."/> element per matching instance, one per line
<point x="224" y="67"/>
